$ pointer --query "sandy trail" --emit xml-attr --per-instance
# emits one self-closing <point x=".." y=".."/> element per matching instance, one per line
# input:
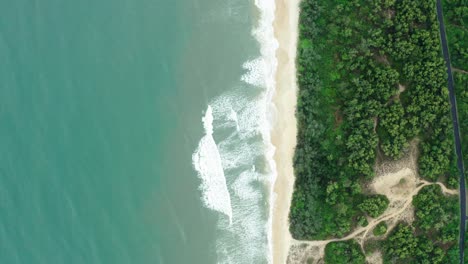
<point x="361" y="233"/>
<point x="445" y="190"/>
<point x="459" y="70"/>
<point x="398" y="180"/>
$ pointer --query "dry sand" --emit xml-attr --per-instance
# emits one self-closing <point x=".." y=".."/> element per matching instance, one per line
<point x="284" y="132"/>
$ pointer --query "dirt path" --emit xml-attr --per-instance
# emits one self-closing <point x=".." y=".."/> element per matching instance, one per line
<point x="445" y="190"/>
<point x="398" y="181"/>
<point x="459" y="70"/>
<point x="374" y="222"/>
<point x="361" y="233"/>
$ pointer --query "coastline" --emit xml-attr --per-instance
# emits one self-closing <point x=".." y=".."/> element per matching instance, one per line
<point x="284" y="131"/>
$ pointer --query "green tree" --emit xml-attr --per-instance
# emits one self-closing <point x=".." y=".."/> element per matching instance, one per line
<point x="374" y="205"/>
<point x="345" y="252"/>
<point x="401" y="244"/>
<point x="380" y="229"/>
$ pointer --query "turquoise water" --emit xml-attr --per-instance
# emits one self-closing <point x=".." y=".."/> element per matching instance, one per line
<point x="100" y="112"/>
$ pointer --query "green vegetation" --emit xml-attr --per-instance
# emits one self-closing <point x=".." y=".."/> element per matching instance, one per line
<point x="436" y="214"/>
<point x="461" y="88"/>
<point x="432" y="238"/>
<point x="380" y="229"/>
<point x="346" y="252"/>
<point x="456" y="22"/>
<point x="374" y="205"/>
<point x="371" y="79"/>
<point x="352" y="60"/>
<point x="401" y="243"/>
<point x="362" y="221"/>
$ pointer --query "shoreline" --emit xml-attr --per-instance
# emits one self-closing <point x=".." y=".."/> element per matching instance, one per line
<point x="284" y="131"/>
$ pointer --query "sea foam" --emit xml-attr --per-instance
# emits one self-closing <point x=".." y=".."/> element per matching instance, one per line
<point x="241" y="119"/>
<point x="264" y="33"/>
<point x="207" y="161"/>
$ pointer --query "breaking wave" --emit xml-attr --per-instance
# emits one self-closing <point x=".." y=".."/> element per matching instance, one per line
<point x="207" y="162"/>
<point x="238" y="172"/>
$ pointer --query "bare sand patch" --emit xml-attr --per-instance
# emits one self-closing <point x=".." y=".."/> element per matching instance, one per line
<point x="396" y="186"/>
<point x="303" y="253"/>
<point x="401" y="88"/>
<point x="399" y="181"/>
<point x="374" y="258"/>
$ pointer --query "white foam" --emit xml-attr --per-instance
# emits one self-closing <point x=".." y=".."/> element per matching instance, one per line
<point x="265" y="67"/>
<point x="243" y="185"/>
<point x="208" y="121"/>
<point x="245" y="120"/>
<point x="207" y="161"/>
<point x="244" y="241"/>
<point x="256" y="72"/>
<point x="233" y="117"/>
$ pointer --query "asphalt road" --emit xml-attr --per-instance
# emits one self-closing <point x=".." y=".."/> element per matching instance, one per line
<point x="456" y="130"/>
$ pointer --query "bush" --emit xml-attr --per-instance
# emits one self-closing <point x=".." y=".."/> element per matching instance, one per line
<point x="345" y="252"/>
<point x="374" y="205"/>
<point x="380" y="229"/>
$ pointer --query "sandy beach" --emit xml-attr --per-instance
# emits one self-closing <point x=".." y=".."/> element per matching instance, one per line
<point x="284" y="133"/>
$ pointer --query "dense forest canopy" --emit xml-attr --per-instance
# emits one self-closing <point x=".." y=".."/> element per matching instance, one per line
<point x="372" y="79"/>
<point x="456" y="23"/>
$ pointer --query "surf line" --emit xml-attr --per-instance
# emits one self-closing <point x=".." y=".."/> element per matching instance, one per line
<point x="207" y="162"/>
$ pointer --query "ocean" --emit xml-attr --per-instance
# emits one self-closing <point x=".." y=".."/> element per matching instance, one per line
<point x="136" y="131"/>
